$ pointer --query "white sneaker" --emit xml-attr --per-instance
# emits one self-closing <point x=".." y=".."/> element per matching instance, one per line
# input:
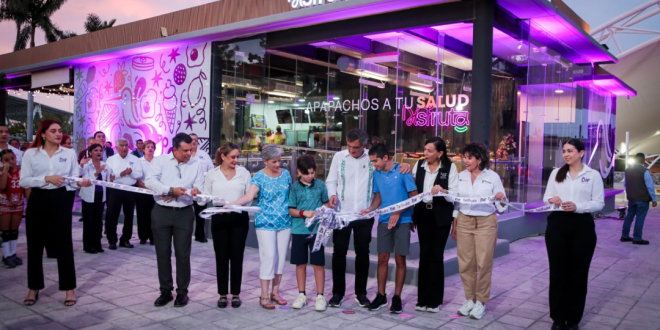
<point x="433" y="310"/>
<point x="320" y="304"/>
<point x="300" y="302"/>
<point x="420" y="308"/>
<point x="478" y="311"/>
<point x="467" y="307"/>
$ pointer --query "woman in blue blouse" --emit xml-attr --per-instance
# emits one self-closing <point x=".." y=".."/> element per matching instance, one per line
<point x="273" y="223"/>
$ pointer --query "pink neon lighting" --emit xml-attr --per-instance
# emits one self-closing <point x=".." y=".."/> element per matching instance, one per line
<point x="423" y="117"/>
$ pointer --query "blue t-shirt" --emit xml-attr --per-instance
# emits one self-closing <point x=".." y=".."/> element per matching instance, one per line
<point x="306" y="198"/>
<point x="273" y="200"/>
<point x="395" y="187"/>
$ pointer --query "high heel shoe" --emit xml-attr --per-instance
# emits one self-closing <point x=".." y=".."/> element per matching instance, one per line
<point x="31" y="302"/>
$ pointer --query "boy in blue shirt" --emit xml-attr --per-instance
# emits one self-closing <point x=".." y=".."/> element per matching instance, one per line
<point x="305" y="196"/>
<point x="393" y="228"/>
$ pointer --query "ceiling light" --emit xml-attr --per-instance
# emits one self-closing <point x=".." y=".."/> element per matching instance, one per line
<point x="559" y="91"/>
<point x="371" y="83"/>
<point x="271" y="102"/>
<point x="413" y="93"/>
<point x="520" y="44"/>
<point x="425" y="77"/>
<point x="335" y="98"/>
<point x="421" y="88"/>
<point x="283" y="94"/>
<point x="301" y="100"/>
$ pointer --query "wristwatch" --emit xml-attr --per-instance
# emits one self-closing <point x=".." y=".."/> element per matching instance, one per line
<point x="171" y="192"/>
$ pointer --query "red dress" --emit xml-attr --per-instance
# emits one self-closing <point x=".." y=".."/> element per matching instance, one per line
<point x="11" y="198"/>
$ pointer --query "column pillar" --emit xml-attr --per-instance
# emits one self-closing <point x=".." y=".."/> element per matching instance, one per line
<point x="482" y="72"/>
<point x="30" y="113"/>
<point x="3" y="105"/>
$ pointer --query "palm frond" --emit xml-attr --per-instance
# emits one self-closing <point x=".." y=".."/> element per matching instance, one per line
<point x="22" y="37"/>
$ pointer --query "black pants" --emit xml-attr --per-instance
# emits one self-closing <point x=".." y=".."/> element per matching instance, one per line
<point x="340" y="239"/>
<point x="144" y="204"/>
<point x="431" y="276"/>
<point x="118" y="200"/>
<point x="48" y="221"/>
<point x="229" y="231"/>
<point x="200" y="223"/>
<point x="571" y="240"/>
<point x="173" y="227"/>
<point x="93" y="224"/>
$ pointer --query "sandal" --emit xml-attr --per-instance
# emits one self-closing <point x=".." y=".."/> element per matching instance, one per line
<point x="72" y="302"/>
<point x="31" y="302"/>
<point x="268" y="305"/>
<point x="277" y="299"/>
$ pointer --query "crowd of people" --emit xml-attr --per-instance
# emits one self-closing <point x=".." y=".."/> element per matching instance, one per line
<point x="359" y="181"/>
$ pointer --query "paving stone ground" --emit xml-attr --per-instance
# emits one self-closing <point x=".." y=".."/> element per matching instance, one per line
<point x="116" y="290"/>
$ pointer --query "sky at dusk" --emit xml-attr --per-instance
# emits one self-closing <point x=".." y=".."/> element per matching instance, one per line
<point x="73" y="13"/>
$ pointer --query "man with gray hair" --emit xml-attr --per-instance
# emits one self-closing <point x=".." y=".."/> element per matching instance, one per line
<point x="125" y="169"/>
<point x="176" y="177"/>
<point x="350" y="187"/>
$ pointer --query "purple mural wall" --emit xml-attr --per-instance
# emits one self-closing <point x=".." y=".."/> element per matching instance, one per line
<point x="150" y="96"/>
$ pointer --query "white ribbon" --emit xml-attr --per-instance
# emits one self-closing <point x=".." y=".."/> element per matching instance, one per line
<point x="210" y="212"/>
<point x="327" y="219"/>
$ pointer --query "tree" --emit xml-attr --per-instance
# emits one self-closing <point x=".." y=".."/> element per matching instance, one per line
<point x="93" y="23"/>
<point x="30" y="15"/>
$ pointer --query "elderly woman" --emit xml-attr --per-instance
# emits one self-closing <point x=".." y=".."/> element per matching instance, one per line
<point x="475" y="228"/>
<point x="273" y="223"/>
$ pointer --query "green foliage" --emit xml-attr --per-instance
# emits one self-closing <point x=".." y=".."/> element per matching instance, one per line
<point x="30" y="15"/>
<point x="94" y="23"/>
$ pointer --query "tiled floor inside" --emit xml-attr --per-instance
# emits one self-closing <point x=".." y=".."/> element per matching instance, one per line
<point x="116" y="290"/>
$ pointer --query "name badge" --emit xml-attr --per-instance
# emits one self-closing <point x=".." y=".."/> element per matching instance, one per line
<point x="63" y="160"/>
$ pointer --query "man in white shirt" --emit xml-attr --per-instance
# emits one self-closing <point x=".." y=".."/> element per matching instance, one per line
<point x="350" y="187"/>
<point x="201" y="156"/>
<point x="175" y="177"/>
<point x="4" y="145"/>
<point x="125" y="169"/>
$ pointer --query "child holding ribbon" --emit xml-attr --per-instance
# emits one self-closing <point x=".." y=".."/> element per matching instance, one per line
<point x="393" y="228"/>
<point x="305" y="196"/>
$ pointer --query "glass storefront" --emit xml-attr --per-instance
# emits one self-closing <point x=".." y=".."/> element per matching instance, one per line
<point x="403" y="87"/>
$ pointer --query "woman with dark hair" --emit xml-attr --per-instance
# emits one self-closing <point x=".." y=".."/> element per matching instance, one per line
<point x="11" y="208"/>
<point x="475" y="228"/>
<point x="144" y="204"/>
<point x="433" y="218"/>
<point x="93" y="199"/>
<point x="570" y="236"/>
<point x="47" y="218"/>
<point x="66" y="141"/>
<point x="229" y="230"/>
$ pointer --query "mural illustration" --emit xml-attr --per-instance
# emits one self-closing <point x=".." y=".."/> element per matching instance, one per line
<point x="151" y="96"/>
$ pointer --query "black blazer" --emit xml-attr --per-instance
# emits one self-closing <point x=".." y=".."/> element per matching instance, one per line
<point x="442" y="209"/>
<point x="109" y="152"/>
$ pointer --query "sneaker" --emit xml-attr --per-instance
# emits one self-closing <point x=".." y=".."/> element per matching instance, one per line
<point x="478" y="311"/>
<point x="336" y="301"/>
<point x="362" y="300"/>
<point x="18" y="261"/>
<point x="433" y="310"/>
<point x="397" y="307"/>
<point x="420" y="308"/>
<point x="379" y="302"/>
<point x="300" y="302"/>
<point x="467" y="307"/>
<point x="8" y="263"/>
<point x="320" y="304"/>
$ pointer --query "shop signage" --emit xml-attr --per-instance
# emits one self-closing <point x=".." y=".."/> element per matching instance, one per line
<point x="443" y="110"/>
<point x="295" y="4"/>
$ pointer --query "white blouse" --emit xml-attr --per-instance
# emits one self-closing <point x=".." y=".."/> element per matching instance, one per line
<point x="586" y="191"/>
<point x="429" y="180"/>
<point x="487" y="184"/>
<point x="87" y="172"/>
<point x="37" y="165"/>
<point x="216" y="184"/>
<point x="146" y="165"/>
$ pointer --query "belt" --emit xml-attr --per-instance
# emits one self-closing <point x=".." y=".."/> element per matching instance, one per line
<point x="429" y="206"/>
<point x="175" y="208"/>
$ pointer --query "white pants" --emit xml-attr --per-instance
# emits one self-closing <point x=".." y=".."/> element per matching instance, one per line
<point x="272" y="252"/>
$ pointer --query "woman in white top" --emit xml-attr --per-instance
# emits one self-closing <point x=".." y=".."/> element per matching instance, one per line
<point x="229" y="230"/>
<point x="570" y="236"/>
<point x="475" y="228"/>
<point x="93" y="199"/>
<point x="145" y="203"/>
<point x="43" y="168"/>
<point x="433" y="218"/>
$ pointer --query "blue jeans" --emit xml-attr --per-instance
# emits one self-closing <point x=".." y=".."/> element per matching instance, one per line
<point x="638" y="209"/>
